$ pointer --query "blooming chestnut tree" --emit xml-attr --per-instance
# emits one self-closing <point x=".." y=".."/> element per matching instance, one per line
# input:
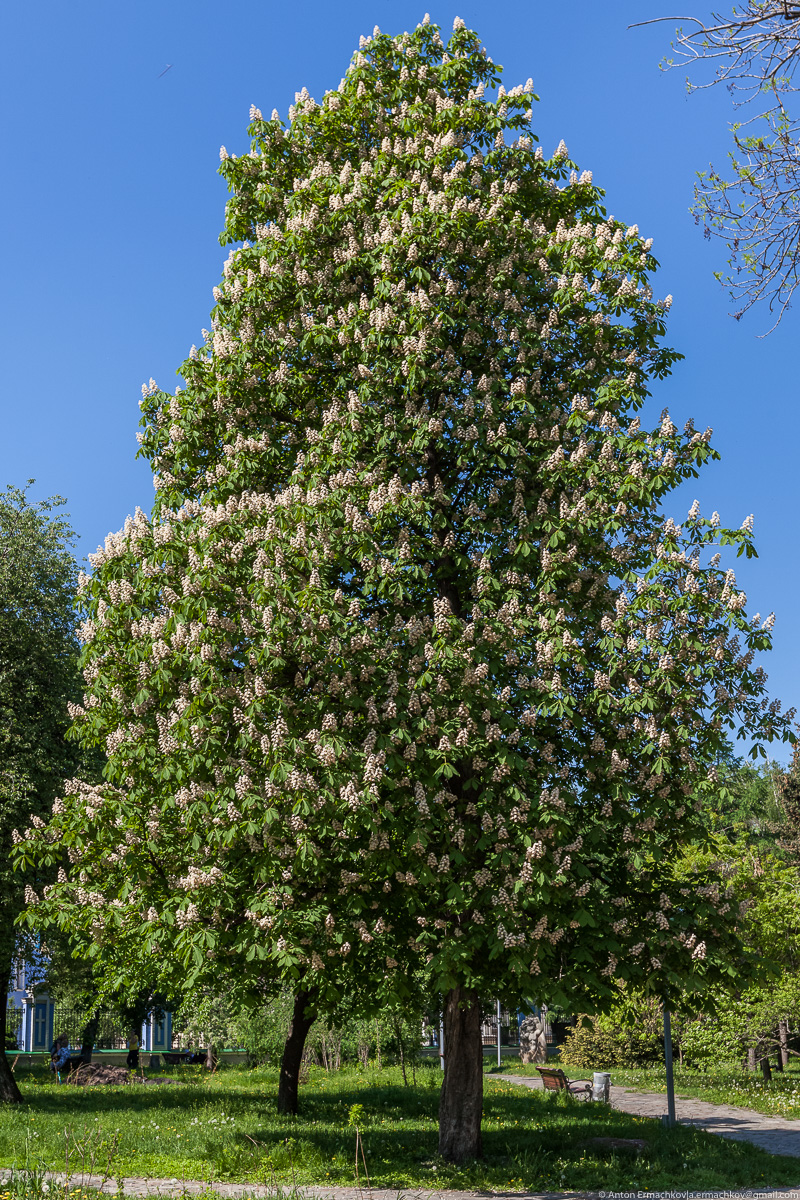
<point x="407" y="666"/>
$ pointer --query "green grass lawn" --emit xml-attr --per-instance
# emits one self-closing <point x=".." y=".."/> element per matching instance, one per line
<point x="725" y="1083"/>
<point x="227" y="1127"/>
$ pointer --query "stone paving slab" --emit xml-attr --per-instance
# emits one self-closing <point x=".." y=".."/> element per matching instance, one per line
<point x="777" y="1135"/>
<point x="236" y="1191"/>
<point x="172" y="1187"/>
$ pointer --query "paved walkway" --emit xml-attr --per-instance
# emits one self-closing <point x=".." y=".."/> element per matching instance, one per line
<point x="778" y="1135"/>
<point x="235" y="1191"/>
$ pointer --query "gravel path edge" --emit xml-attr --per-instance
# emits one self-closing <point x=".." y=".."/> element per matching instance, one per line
<point x="136" y="1186"/>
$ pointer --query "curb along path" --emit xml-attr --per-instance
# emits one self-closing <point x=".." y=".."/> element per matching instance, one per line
<point x="236" y="1191"/>
<point x="778" y="1135"/>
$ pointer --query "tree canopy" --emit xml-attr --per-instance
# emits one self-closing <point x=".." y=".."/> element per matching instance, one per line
<point x="407" y="667"/>
<point x="38" y="676"/>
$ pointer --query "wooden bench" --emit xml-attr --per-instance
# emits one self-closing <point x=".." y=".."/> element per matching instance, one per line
<point x="556" y="1081"/>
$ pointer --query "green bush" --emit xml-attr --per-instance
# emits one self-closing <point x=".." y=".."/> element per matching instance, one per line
<point x="600" y="1043"/>
<point x="631" y="1034"/>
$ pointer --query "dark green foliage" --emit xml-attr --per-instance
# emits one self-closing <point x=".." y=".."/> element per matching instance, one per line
<point x="789" y="789"/>
<point x="38" y="677"/>
<point x="746" y="805"/>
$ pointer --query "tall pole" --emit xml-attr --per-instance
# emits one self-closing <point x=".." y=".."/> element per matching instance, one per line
<point x="441" y="1040"/>
<point x="668" y="1064"/>
<point x="499" y="1063"/>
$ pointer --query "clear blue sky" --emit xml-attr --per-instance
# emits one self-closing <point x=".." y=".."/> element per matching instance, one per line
<point x="112" y="208"/>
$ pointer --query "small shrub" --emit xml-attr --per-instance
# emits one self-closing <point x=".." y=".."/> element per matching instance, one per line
<point x="600" y="1043"/>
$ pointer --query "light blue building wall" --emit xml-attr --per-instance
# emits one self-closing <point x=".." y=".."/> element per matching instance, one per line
<point x="38" y="1013"/>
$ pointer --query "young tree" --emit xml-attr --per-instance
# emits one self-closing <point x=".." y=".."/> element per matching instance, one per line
<point x="407" y="668"/>
<point x="753" y="51"/>
<point x="752" y="1017"/>
<point x="207" y="1019"/>
<point x="38" y="675"/>
<point x="745" y="805"/>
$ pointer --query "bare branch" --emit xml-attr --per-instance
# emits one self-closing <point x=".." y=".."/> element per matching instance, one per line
<point x="757" y="213"/>
<point x="755" y="53"/>
<point x="660" y="21"/>
<point x="756" y="49"/>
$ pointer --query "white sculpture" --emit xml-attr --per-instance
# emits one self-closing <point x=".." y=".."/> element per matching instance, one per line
<point x="532" y="1041"/>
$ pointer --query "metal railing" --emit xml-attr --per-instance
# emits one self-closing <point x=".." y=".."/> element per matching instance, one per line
<point x="111" y="1033"/>
<point x="14" y="1022"/>
<point x="509" y="1029"/>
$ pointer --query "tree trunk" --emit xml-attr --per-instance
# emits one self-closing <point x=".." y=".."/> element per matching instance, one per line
<point x="88" y="1036"/>
<point x="751" y="1059"/>
<point x="766" y="1069"/>
<point x="9" y="1092"/>
<point x="303" y="1017"/>
<point x="211" y="1057"/>
<point x="461" y="1098"/>
<point x="783" y="1038"/>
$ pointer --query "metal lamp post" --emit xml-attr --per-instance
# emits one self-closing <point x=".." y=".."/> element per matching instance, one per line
<point x="668" y="1063"/>
<point x="499" y="1063"/>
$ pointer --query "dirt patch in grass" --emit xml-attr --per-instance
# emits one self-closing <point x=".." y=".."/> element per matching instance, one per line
<point x="105" y="1074"/>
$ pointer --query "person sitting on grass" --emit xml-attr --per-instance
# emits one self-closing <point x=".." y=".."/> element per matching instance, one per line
<point x="60" y="1056"/>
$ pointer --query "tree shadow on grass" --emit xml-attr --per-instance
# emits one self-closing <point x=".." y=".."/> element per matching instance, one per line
<point x="529" y="1137"/>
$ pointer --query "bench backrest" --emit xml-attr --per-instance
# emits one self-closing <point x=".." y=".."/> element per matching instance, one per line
<point x="553" y="1080"/>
